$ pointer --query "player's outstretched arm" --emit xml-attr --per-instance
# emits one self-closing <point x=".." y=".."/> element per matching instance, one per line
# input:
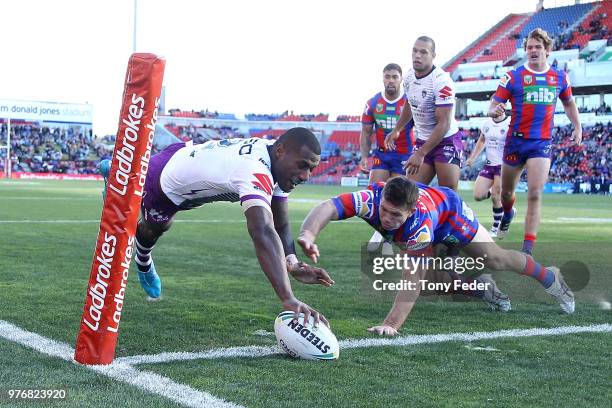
<point x="402" y="305"/>
<point x="270" y="254"/>
<point x="571" y="110"/>
<point x="314" y="222"/>
<point x="280" y="213"/>
<point x="301" y="271"/>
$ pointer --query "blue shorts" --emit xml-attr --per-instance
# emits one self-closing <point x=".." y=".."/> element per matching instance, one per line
<point x="518" y="150"/>
<point x="460" y="226"/>
<point x="391" y="161"/>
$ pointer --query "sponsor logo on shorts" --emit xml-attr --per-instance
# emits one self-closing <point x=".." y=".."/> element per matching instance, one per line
<point x="512" y="157"/>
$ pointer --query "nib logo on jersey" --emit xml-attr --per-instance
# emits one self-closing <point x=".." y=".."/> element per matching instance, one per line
<point x="540" y="95"/>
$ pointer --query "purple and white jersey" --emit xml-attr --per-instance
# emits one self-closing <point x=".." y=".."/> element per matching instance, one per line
<point x="495" y="139"/>
<point x="436" y="89"/>
<point x="221" y="170"/>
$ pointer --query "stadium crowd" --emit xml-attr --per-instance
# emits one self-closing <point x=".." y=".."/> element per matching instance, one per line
<point x="74" y="150"/>
<point x="71" y="150"/>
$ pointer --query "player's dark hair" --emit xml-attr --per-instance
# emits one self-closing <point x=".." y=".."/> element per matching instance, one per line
<point x="401" y="191"/>
<point x="430" y="40"/>
<point x="297" y="137"/>
<point x="392" y="67"/>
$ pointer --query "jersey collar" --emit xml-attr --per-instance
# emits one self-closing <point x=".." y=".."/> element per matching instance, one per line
<point x="537" y="72"/>
<point x="433" y="68"/>
<point x="401" y="94"/>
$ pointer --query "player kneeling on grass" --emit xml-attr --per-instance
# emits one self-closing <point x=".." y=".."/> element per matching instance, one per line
<point x="417" y="216"/>
<point x="260" y="174"/>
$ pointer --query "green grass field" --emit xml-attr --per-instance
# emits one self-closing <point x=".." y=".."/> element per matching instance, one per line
<point x="215" y="295"/>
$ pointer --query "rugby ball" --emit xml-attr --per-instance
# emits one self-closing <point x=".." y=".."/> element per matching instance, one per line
<point x="307" y="342"/>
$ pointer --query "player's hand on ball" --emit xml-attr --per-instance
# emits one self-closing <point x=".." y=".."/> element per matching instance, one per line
<point x="383" y="330"/>
<point x="310" y="274"/>
<point x="298" y="307"/>
<point x="413" y="163"/>
<point x="310" y="249"/>
<point x="390" y="140"/>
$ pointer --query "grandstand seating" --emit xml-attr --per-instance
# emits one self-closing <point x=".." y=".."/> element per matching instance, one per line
<point x="499" y="32"/>
<point x="342" y="138"/>
<point x="348" y="118"/>
<point x="501" y="46"/>
<point x="559" y="22"/>
<point x="266" y="132"/>
<point x="326" y="165"/>
<point x="580" y="40"/>
<point x="549" y="20"/>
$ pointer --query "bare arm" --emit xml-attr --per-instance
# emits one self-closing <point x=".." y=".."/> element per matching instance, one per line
<point x="477" y="149"/>
<point x="402" y="305"/>
<point x="365" y="143"/>
<point x="404" y="118"/>
<point x="571" y="110"/>
<point x="299" y="270"/>
<point x="315" y="221"/>
<point x="269" y="251"/>
<point x="280" y="212"/>
<point x="402" y="121"/>
<point x="443" y="120"/>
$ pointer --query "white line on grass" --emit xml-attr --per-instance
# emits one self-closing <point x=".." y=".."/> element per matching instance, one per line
<point x="254" y="351"/>
<point x="120" y="371"/>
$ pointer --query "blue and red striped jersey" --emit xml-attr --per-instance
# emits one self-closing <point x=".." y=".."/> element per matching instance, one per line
<point x="533" y="96"/>
<point x="384" y="115"/>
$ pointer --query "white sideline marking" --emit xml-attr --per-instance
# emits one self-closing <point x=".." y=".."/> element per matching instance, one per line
<point x="120" y="371"/>
<point x="225" y="352"/>
<point x="583" y="219"/>
<point x="257" y="351"/>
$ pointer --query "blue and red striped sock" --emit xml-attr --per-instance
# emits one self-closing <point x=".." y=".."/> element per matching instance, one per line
<point x="528" y="243"/>
<point x="538" y="272"/>
<point x="507" y="206"/>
